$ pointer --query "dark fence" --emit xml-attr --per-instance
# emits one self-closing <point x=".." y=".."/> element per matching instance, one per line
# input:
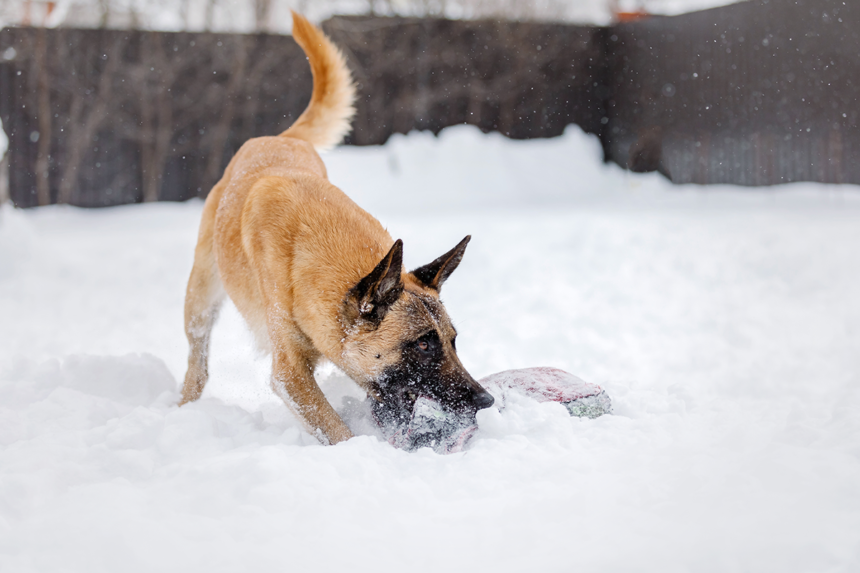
<point x="755" y="93"/>
<point x="524" y="80"/>
<point x="98" y="117"/>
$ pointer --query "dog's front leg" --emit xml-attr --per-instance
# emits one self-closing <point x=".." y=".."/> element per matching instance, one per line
<point x="293" y="381"/>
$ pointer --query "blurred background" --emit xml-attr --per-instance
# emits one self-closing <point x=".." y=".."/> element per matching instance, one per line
<point x="108" y="102"/>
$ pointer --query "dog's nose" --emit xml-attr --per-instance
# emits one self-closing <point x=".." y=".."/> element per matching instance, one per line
<point x="483" y="400"/>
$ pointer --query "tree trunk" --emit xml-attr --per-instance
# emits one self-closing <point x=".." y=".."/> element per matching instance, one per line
<point x="157" y="119"/>
<point x="221" y="131"/>
<point x="209" y="15"/>
<point x="43" y="154"/>
<point x="84" y="125"/>
<point x="262" y="9"/>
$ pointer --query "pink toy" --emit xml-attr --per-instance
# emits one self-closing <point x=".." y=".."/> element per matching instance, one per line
<point x="543" y="384"/>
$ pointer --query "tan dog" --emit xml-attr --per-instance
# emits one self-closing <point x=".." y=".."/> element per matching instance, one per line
<point x="315" y="276"/>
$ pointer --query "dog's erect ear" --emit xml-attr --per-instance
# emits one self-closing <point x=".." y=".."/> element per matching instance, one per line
<point x="381" y="288"/>
<point x="437" y="272"/>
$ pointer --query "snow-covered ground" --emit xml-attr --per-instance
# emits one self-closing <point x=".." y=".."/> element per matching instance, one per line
<point x="723" y="322"/>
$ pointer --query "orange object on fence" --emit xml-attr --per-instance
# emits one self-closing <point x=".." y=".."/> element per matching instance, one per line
<point x="630" y="16"/>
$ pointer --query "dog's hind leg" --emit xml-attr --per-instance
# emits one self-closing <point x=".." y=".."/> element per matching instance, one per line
<point x="203" y="299"/>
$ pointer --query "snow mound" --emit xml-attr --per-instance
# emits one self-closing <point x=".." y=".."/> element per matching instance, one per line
<point x="463" y="169"/>
<point x="38" y="398"/>
<point x="129" y="380"/>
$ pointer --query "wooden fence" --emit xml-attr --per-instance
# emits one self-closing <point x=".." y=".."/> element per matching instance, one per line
<point x="755" y="93"/>
<point x="101" y="117"/>
<point x="104" y="117"/>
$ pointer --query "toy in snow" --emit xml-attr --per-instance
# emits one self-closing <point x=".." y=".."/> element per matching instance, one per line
<point x="581" y="399"/>
<point x="446" y="432"/>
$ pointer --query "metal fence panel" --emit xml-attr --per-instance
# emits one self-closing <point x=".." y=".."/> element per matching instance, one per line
<point x="756" y="93"/>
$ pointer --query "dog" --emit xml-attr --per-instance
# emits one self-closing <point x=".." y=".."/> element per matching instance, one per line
<point x="316" y="277"/>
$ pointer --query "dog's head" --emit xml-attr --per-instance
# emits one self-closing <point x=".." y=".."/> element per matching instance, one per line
<point x="400" y="342"/>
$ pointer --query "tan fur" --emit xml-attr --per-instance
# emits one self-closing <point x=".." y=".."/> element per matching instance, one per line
<point x="287" y="246"/>
<point x="329" y="115"/>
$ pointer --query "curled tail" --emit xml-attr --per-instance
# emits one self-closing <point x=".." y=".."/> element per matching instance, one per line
<point x="328" y="117"/>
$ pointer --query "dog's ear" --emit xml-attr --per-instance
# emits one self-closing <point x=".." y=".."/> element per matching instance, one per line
<point x="434" y="274"/>
<point x="376" y="292"/>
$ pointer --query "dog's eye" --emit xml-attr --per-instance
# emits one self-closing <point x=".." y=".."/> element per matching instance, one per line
<point x="427" y="346"/>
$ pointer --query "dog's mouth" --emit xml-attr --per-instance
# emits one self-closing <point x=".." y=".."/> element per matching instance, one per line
<point x="395" y="408"/>
<point x="409" y="399"/>
<point x="426" y="423"/>
<point x="415" y="412"/>
<point x="398" y="404"/>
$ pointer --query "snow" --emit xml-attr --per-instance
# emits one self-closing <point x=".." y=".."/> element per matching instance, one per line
<point x="238" y="15"/>
<point x="4" y="140"/>
<point x="722" y="322"/>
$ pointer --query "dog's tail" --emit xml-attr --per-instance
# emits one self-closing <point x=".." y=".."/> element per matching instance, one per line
<point x="328" y="117"/>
